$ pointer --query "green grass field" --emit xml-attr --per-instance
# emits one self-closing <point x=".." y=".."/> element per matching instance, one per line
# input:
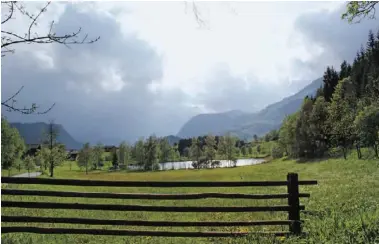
<point x="5" y="172"/>
<point x="343" y="208"/>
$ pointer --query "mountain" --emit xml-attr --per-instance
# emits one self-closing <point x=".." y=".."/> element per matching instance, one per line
<point x="245" y="125"/>
<point x="33" y="134"/>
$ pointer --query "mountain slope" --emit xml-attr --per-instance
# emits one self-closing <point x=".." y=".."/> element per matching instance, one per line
<point x="245" y="125"/>
<point x="33" y="133"/>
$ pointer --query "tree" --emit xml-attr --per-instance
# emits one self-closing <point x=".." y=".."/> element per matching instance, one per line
<point x="29" y="163"/>
<point x="305" y="142"/>
<point x="341" y="115"/>
<point x="139" y="151"/>
<point x="115" y="162"/>
<point x="50" y="139"/>
<point x="152" y="153"/>
<point x="167" y="152"/>
<point x="230" y="148"/>
<point x="330" y="81"/>
<point x="44" y="155"/>
<point x="258" y="149"/>
<point x="39" y="159"/>
<point x="318" y="126"/>
<point x="250" y="150"/>
<point x="12" y="145"/>
<point x="98" y="152"/>
<point x="287" y="138"/>
<point x="210" y="148"/>
<point x="367" y="126"/>
<point x="196" y="152"/>
<point x="9" y="39"/>
<point x="85" y="157"/>
<point x="359" y="10"/>
<point x="255" y="138"/>
<point x="124" y="154"/>
<point x="276" y="152"/>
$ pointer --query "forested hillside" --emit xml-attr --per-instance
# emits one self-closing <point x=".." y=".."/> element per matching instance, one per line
<point x="343" y="114"/>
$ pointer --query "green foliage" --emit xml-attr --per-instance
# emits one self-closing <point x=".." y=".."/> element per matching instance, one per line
<point x="98" y="156"/>
<point x="277" y="152"/>
<point x="12" y="145"/>
<point x="124" y="154"/>
<point x="152" y="153"/>
<point x="195" y="151"/>
<point x="342" y="114"/>
<point x="85" y="157"/>
<point x="29" y="163"/>
<point x="210" y="145"/>
<point x="114" y="159"/>
<point x="367" y="126"/>
<point x="358" y="10"/>
<point x="167" y="153"/>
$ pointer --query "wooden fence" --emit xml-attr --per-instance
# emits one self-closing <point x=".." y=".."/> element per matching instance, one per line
<point x="293" y="208"/>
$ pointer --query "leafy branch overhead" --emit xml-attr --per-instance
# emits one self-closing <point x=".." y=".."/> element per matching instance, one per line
<point x="356" y="11"/>
<point x="10" y="38"/>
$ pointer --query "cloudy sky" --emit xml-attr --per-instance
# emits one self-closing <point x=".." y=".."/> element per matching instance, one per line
<point x="156" y="65"/>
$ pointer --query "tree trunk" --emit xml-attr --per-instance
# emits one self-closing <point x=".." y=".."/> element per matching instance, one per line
<point x="87" y="168"/>
<point x="359" y="153"/>
<point x="344" y="150"/>
<point x="376" y="150"/>
<point x="51" y="168"/>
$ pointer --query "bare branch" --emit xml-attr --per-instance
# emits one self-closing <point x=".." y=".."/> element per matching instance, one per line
<point x="11" y="11"/>
<point x="10" y="105"/>
<point x="14" y="95"/>
<point x="35" y="19"/>
<point x="10" y="38"/>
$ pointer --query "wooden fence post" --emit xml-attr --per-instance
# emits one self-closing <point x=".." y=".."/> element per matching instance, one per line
<point x="294" y="203"/>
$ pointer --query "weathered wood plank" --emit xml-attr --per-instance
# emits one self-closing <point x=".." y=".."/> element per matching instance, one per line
<point x="12" y="180"/>
<point x="114" y="207"/>
<point x="29" y="219"/>
<point x="38" y="230"/>
<point x="145" y="195"/>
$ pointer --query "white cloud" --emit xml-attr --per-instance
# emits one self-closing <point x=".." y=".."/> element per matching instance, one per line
<point x="154" y="67"/>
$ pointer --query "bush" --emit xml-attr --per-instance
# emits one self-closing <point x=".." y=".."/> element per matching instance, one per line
<point x="276" y="152"/>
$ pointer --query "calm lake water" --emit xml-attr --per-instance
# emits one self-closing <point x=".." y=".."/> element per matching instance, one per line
<point x="188" y="164"/>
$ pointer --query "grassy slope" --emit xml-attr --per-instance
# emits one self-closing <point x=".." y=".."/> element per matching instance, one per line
<point x="346" y="197"/>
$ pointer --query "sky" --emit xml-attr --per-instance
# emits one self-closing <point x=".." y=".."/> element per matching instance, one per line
<point x="156" y="65"/>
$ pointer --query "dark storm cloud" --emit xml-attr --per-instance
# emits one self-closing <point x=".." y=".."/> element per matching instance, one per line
<point x="88" y="103"/>
<point x="338" y="39"/>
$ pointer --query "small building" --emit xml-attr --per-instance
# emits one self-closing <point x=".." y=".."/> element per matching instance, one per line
<point x="32" y="149"/>
<point x="72" y="155"/>
<point x="110" y="148"/>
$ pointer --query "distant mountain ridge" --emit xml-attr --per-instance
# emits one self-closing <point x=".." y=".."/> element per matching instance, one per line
<point x="245" y="125"/>
<point x="33" y="134"/>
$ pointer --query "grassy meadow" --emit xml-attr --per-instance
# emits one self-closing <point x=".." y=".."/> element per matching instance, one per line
<point x="343" y="208"/>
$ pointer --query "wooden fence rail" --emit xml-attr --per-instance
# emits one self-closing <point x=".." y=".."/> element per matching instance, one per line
<point x="293" y="208"/>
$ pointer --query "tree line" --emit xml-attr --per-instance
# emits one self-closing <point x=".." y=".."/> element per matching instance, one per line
<point x="147" y="154"/>
<point x="343" y="114"/>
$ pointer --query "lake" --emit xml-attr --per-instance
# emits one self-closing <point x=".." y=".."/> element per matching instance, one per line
<point x="188" y="164"/>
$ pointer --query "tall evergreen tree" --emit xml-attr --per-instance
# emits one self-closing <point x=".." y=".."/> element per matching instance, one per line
<point x="330" y="79"/>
